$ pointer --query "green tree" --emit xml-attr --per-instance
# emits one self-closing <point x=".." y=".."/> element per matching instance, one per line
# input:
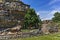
<point x="56" y="17"/>
<point x="31" y="19"/>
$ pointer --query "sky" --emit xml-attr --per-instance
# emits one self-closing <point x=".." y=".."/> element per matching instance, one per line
<point x="44" y="8"/>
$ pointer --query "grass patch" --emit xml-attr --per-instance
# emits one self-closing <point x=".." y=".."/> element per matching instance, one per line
<point x="27" y="30"/>
<point x="55" y="36"/>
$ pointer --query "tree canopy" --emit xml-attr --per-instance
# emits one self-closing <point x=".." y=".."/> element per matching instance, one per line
<point x="56" y="17"/>
<point x="31" y="18"/>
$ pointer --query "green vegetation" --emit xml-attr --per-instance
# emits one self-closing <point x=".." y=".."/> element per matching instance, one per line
<point x="56" y="17"/>
<point x="25" y="30"/>
<point x="31" y="19"/>
<point x="55" y="36"/>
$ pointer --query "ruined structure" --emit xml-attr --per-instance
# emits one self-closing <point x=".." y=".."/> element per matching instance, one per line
<point x="12" y="11"/>
<point x="49" y="26"/>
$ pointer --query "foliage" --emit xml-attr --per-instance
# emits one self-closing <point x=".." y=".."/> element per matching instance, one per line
<point x="31" y="18"/>
<point x="56" y="17"/>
